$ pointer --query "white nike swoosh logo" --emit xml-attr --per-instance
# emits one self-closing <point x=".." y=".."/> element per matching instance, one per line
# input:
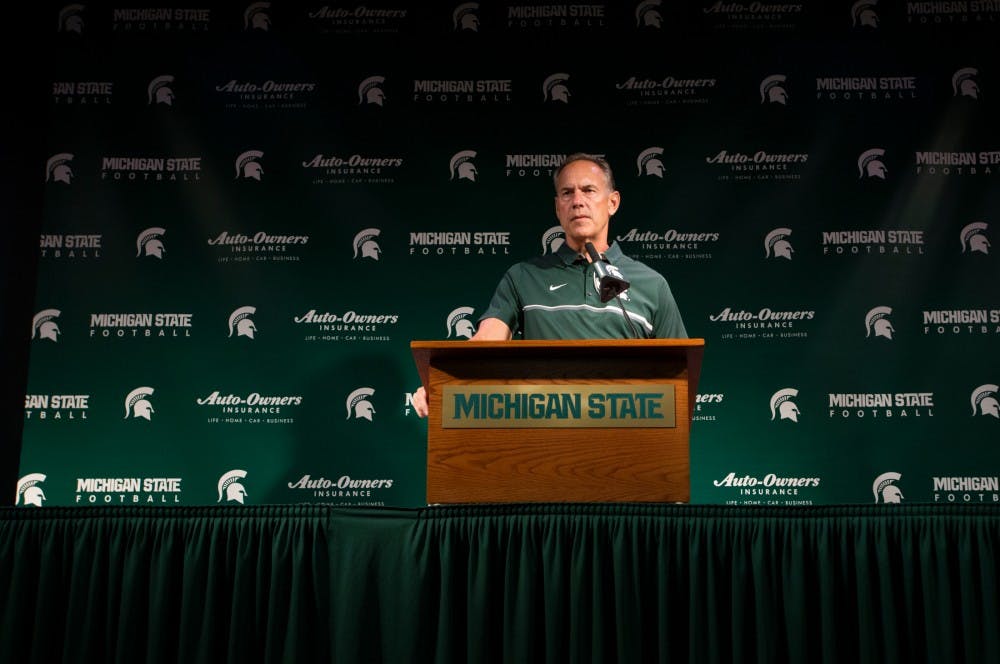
<point x="552" y="288"/>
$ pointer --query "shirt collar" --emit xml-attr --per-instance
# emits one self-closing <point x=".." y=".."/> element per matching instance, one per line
<point x="568" y="256"/>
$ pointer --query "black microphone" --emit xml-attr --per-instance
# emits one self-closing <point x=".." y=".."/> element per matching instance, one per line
<point x="611" y="282"/>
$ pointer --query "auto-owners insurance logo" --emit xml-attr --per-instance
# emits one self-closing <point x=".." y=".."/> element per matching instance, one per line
<point x="767" y="489"/>
<point x="738" y="324"/>
<point x="346" y="325"/>
<point x="250" y="408"/>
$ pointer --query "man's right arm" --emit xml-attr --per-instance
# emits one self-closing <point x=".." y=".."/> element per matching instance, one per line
<point x="490" y="329"/>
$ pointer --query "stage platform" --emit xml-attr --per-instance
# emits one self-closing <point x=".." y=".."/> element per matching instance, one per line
<point x="512" y="583"/>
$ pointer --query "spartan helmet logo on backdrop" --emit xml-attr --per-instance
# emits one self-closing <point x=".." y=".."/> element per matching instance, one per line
<point x="552" y="239"/>
<point x="159" y="90"/>
<point x="28" y="491"/>
<point x="782" y="405"/>
<point x="885" y="490"/>
<point x="460" y="323"/>
<point x="231" y="488"/>
<point x="984" y="401"/>
<point x="647" y="14"/>
<point x="973" y="238"/>
<point x="358" y="405"/>
<point x="366" y="244"/>
<point x="137" y="404"/>
<point x="57" y="168"/>
<point x="43" y="325"/>
<point x="255" y="17"/>
<point x="776" y="245"/>
<point x="963" y="83"/>
<point x="247" y="166"/>
<point x="71" y="19"/>
<point x="554" y="88"/>
<point x="462" y="166"/>
<point x="148" y="242"/>
<point x="863" y="14"/>
<point x="241" y="323"/>
<point x="870" y="164"/>
<point x="772" y="90"/>
<point x="877" y="322"/>
<point x="465" y="17"/>
<point x="370" y="91"/>
<point x="649" y="162"/>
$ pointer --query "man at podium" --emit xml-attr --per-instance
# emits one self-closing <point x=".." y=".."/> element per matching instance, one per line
<point x="588" y="288"/>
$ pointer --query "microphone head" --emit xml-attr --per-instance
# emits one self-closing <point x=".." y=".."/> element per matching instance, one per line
<point x="611" y="282"/>
<point x="611" y="286"/>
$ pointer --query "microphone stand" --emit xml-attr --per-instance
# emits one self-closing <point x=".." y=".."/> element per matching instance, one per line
<point x="635" y="332"/>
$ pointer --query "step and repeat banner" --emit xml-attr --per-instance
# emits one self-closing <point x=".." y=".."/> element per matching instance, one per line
<point x="251" y="210"/>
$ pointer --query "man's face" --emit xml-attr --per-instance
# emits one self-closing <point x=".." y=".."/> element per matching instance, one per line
<point x="584" y="204"/>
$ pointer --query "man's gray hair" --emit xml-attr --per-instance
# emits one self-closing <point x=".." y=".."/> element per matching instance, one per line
<point x="601" y="163"/>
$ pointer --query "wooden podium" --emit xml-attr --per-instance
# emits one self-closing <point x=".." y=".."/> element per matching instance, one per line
<point x="559" y="421"/>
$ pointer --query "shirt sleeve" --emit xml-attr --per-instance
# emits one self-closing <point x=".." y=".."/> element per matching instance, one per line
<point x="668" y="322"/>
<point x="506" y="303"/>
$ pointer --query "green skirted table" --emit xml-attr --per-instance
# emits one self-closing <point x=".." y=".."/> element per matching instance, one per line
<point x="511" y="583"/>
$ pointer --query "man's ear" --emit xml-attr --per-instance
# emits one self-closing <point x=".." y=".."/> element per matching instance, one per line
<point x="614" y="200"/>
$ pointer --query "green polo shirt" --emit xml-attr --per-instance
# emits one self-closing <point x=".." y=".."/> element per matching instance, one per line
<point x="556" y="297"/>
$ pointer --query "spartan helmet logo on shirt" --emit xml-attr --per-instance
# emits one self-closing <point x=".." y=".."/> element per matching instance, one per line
<point x="554" y="88"/>
<point x="776" y="245"/>
<point x="462" y="167"/>
<point x="552" y="239"/>
<point x="885" y="490"/>
<point x="255" y="17"/>
<point x="870" y="164"/>
<point x="460" y="323"/>
<point x="963" y="83"/>
<point x="148" y="242"/>
<point x="358" y="405"/>
<point x="649" y="162"/>
<point x="43" y="325"/>
<point x="241" y="323"/>
<point x="465" y="16"/>
<point x="877" y="322"/>
<point x="57" y="168"/>
<point x="247" y="166"/>
<point x="647" y="14"/>
<point x="366" y="244"/>
<point x="772" y="90"/>
<point x="231" y="488"/>
<point x="137" y="404"/>
<point x="863" y="14"/>
<point x="28" y="491"/>
<point x="984" y="401"/>
<point x="71" y="19"/>
<point x="370" y="91"/>
<point x="973" y="238"/>
<point x="782" y="405"/>
<point x="159" y="91"/>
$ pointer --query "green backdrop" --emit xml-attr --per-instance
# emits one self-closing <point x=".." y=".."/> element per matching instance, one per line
<point x="816" y="183"/>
